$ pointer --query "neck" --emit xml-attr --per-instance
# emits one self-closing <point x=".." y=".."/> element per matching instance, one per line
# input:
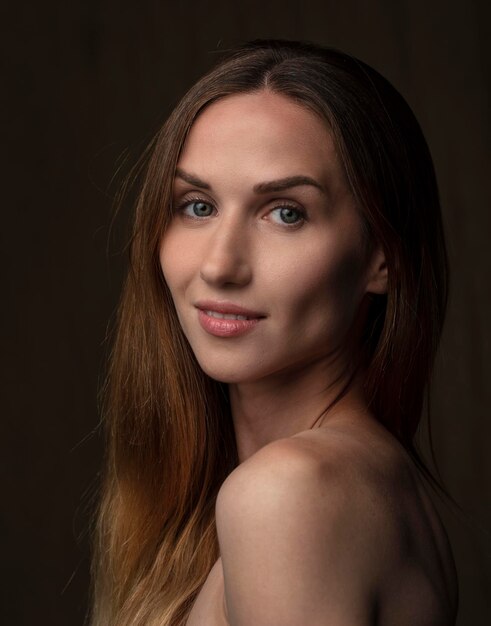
<point x="291" y="402"/>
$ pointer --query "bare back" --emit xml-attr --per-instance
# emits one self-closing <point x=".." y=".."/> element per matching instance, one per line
<point x="420" y="586"/>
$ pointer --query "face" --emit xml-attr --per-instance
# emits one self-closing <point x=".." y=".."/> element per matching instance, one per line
<point x="264" y="226"/>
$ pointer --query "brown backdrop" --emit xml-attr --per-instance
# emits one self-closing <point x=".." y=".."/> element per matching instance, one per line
<point x="87" y="83"/>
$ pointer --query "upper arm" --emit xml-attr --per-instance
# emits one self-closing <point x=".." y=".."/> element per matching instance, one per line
<point x="298" y="543"/>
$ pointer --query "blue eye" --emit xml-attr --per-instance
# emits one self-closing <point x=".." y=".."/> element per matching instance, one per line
<point x="196" y="208"/>
<point x="289" y="215"/>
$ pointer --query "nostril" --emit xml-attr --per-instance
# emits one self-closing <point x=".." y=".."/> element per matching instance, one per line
<point x="221" y="279"/>
<point x="225" y="269"/>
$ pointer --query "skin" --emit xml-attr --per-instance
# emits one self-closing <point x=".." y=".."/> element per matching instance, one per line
<point x="309" y="280"/>
<point x="292" y="519"/>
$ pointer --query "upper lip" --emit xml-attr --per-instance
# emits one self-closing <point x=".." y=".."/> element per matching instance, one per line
<point x="227" y="307"/>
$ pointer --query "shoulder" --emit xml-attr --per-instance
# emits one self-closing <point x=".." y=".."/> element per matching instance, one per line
<point x="304" y="531"/>
<point x="337" y="471"/>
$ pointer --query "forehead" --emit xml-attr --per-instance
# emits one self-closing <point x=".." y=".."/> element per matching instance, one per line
<point x="260" y="135"/>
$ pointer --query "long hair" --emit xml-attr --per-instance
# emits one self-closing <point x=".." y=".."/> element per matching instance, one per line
<point x="170" y="440"/>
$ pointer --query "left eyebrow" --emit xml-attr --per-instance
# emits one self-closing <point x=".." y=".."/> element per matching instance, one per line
<point x="286" y="183"/>
<point x="267" y="187"/>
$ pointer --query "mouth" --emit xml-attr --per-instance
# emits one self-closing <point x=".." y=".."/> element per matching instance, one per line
<point x="226" y="316"/>
<point x="226" y="319"/>
<point x="227" y="310"/>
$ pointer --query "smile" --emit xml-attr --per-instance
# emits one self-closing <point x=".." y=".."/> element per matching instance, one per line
<point x="226" y="324"/>
<point x="226" y="316"/>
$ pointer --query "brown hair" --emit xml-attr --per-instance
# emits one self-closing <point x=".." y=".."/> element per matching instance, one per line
<point x="170" y="442"/>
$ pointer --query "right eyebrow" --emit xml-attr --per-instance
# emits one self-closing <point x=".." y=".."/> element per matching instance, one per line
<point x="191" y="179"/>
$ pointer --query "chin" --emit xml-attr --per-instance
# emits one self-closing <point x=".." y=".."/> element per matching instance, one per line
<point x="229" y="375"/>
<point x="231" y="372"/>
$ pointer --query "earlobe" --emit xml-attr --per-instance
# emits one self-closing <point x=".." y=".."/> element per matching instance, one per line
<point x="378" y="277"/>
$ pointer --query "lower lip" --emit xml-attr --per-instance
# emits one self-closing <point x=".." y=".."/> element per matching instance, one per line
<point x="221" y="327"/>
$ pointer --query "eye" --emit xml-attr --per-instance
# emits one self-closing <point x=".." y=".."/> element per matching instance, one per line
<point x="195" y="208"/>
<point x="289" y="215"/>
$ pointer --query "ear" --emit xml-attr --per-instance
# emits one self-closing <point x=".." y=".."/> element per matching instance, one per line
<point x="377" y="274"/>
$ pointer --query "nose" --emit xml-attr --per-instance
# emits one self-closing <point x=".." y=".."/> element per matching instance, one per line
<point x="226" y="262"/>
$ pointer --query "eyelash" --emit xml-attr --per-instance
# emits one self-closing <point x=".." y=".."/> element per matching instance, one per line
<point x="187" y="201"/>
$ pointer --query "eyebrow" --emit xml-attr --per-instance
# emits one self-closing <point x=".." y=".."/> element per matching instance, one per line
<point x="267" y="187"/>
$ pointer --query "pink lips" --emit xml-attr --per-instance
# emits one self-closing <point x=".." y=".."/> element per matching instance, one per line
<point x="221" y="327"/>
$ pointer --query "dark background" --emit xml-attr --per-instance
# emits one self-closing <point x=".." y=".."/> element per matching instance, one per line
<point x="85" y="84"/>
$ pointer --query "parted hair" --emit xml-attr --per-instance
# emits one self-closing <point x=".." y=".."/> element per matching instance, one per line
<point x="169" y="434"/>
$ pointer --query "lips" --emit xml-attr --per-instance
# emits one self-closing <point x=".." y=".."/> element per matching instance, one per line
<point x="227" y="308"/>
<point x="226" y="319"/>
<point x="226" y="316"/>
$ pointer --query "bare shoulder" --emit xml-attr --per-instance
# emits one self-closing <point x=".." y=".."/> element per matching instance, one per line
<point x="333" y="471"/>
<point x="331" y="528"/>
<point x="419" y="583"/>
<point x="304" y="536"/>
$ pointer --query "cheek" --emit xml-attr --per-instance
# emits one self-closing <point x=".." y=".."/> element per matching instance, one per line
<point x="176" y="261"/>
<point x="345" y="281"/>
<point x="322" y="290"/>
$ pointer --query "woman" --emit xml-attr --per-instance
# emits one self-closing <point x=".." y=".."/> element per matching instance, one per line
<point x="285" y="298"/>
